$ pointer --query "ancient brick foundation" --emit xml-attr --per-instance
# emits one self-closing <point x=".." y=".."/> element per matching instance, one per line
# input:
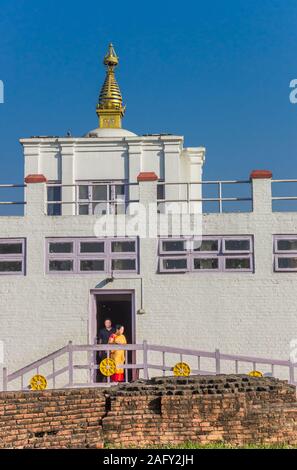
<point x="234" y="409"/>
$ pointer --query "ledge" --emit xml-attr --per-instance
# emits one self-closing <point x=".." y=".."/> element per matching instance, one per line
<point x="147" y="176"/>
<point x="35" y="179"/>
<point x="261" y="174"/>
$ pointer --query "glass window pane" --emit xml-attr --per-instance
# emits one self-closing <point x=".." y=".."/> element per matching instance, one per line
<point x="83" y="209"/>
<point x="92" y="247"/>
<point x="92" y="265"/>
<point x="174" y="263"/>
<point x="54" y="209"/>
<point x="123" y="247"/>
<point x="10" y="266"/>
<point x="287" y="263"/>
<point x="287" y="245"/>
<point x="11" y="248"/>
<point x="54" y="193"/>
<point x="61" y="265"/>
<point x="99" y="193"/>
<point x="83" y="191"/>
<point x="123" y="264"/>
<point x="237" y="245"/>
<point x="206" y="245"/>
<point x="206" y="263"/>
<point x="174" y="245"/>
<point x="161" y="191"/>
<point x="238" y="263"/>
<point x="60" y="247"/>
<point x="119" y="190"/>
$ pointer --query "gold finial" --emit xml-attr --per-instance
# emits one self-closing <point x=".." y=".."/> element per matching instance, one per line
<point x="110" y="109"/>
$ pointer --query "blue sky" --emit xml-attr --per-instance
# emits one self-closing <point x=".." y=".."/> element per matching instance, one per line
<point x="216" y="72"/>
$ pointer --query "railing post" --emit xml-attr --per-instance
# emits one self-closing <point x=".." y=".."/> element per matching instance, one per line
<point x="35" y="195"/>
<point x="220" y="198"/>
<point x="218" y="362"/>
<point x="145" y="364"/>
<point x="4" y="379"/>
<point x="261" y="191"/>
<point x="70" y="363"/>
<point x="291" y="372"/>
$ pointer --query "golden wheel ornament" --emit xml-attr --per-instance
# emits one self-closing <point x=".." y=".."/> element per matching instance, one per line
<point x="107" y="367"/>
<point x="255" y="373"/>
<point x="181" y="369"/>
<point x="38" y="382"/>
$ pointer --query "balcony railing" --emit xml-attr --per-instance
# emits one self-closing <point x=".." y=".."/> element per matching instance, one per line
<point x="213" y="196"/>
<point x="284" y="195"/>
<point x="12" y="199"/>
<point x="205" y="196"/>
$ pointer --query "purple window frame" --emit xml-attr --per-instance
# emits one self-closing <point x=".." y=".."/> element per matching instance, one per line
<point x="207" y="252"/>
<point x="14" y="257"/>
<point x="277" y="254"/>
<point x="239" y="256"/>
<point x="285" y="270"/>
<point x="221" y="254"/>
<point x="240" y="238"/>
<point x="163" y="270"/>
<point x="206" y="256"/>
<point x="77" y="256"/>
<point x="172" y="253"/>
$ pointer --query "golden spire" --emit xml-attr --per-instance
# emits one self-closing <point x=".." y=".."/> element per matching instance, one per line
<point x="110" y="109"/>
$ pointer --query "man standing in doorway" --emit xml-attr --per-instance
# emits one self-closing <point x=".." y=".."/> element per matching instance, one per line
<point x="103" y="338"/>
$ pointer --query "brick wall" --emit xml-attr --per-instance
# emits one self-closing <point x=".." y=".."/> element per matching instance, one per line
<point x="52" y="419"/>
<point x="234" y="409"/>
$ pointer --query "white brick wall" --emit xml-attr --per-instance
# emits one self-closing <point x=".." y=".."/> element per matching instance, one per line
<point x="240" y="313"/>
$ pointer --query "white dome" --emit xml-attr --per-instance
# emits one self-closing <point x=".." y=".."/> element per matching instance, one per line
<point x="109" y="132"/>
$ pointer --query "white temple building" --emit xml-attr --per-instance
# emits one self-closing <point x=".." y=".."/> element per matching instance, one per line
<point x="64" y="268"/>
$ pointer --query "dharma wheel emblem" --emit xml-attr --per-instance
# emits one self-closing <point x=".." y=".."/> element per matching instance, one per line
<point x="107" y="367"/>
<point x="181" y="369"/>
<point x="38" y="382"/>
<point x="255" y="373"/>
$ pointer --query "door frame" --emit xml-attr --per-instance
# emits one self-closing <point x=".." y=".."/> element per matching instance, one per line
<point x="92" y="334"/>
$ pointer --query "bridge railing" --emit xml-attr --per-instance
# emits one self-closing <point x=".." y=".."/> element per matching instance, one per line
<point x="146" y="358"/>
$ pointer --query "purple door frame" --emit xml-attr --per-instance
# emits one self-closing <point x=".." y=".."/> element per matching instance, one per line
<point x="93" y="315"/>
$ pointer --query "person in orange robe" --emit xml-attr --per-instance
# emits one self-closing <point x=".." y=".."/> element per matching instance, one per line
<point x="119" y="355"/>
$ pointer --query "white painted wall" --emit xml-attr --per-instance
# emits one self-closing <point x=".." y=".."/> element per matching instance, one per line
<point x="105" y="157"/>
<point x="240" y="313"/>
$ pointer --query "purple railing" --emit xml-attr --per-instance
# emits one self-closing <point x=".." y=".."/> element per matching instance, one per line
<point x="164" y="358"/>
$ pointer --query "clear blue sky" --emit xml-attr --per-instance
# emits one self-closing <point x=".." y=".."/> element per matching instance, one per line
<point x="216" y="72"/>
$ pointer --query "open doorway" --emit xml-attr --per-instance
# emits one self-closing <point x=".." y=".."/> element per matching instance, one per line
<point x="119" y="308"/>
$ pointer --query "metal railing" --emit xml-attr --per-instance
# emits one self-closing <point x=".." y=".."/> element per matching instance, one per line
<point x="276" y="186"/>
<point x="188" y="188"/>
<point x="6" y="192"/>
<point x="164" y="360"/>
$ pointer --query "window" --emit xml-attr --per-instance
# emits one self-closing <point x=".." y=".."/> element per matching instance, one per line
<point x="161" y="197"/>
<point x="173" y="246"/>
<point x="285" y="253"/>
<point x="85" y="255"/>
<point x="61" y="247"/>
<point x="209" y="253"/>
<point x="123" y="247"/>
<point x="174" y="264"/>
<point x="101" y="197"/>
<point x="54" y="193"/>
<point x="12" y="256"/>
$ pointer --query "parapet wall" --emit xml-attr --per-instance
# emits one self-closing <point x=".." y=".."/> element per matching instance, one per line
<point x="234" y="409"/>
